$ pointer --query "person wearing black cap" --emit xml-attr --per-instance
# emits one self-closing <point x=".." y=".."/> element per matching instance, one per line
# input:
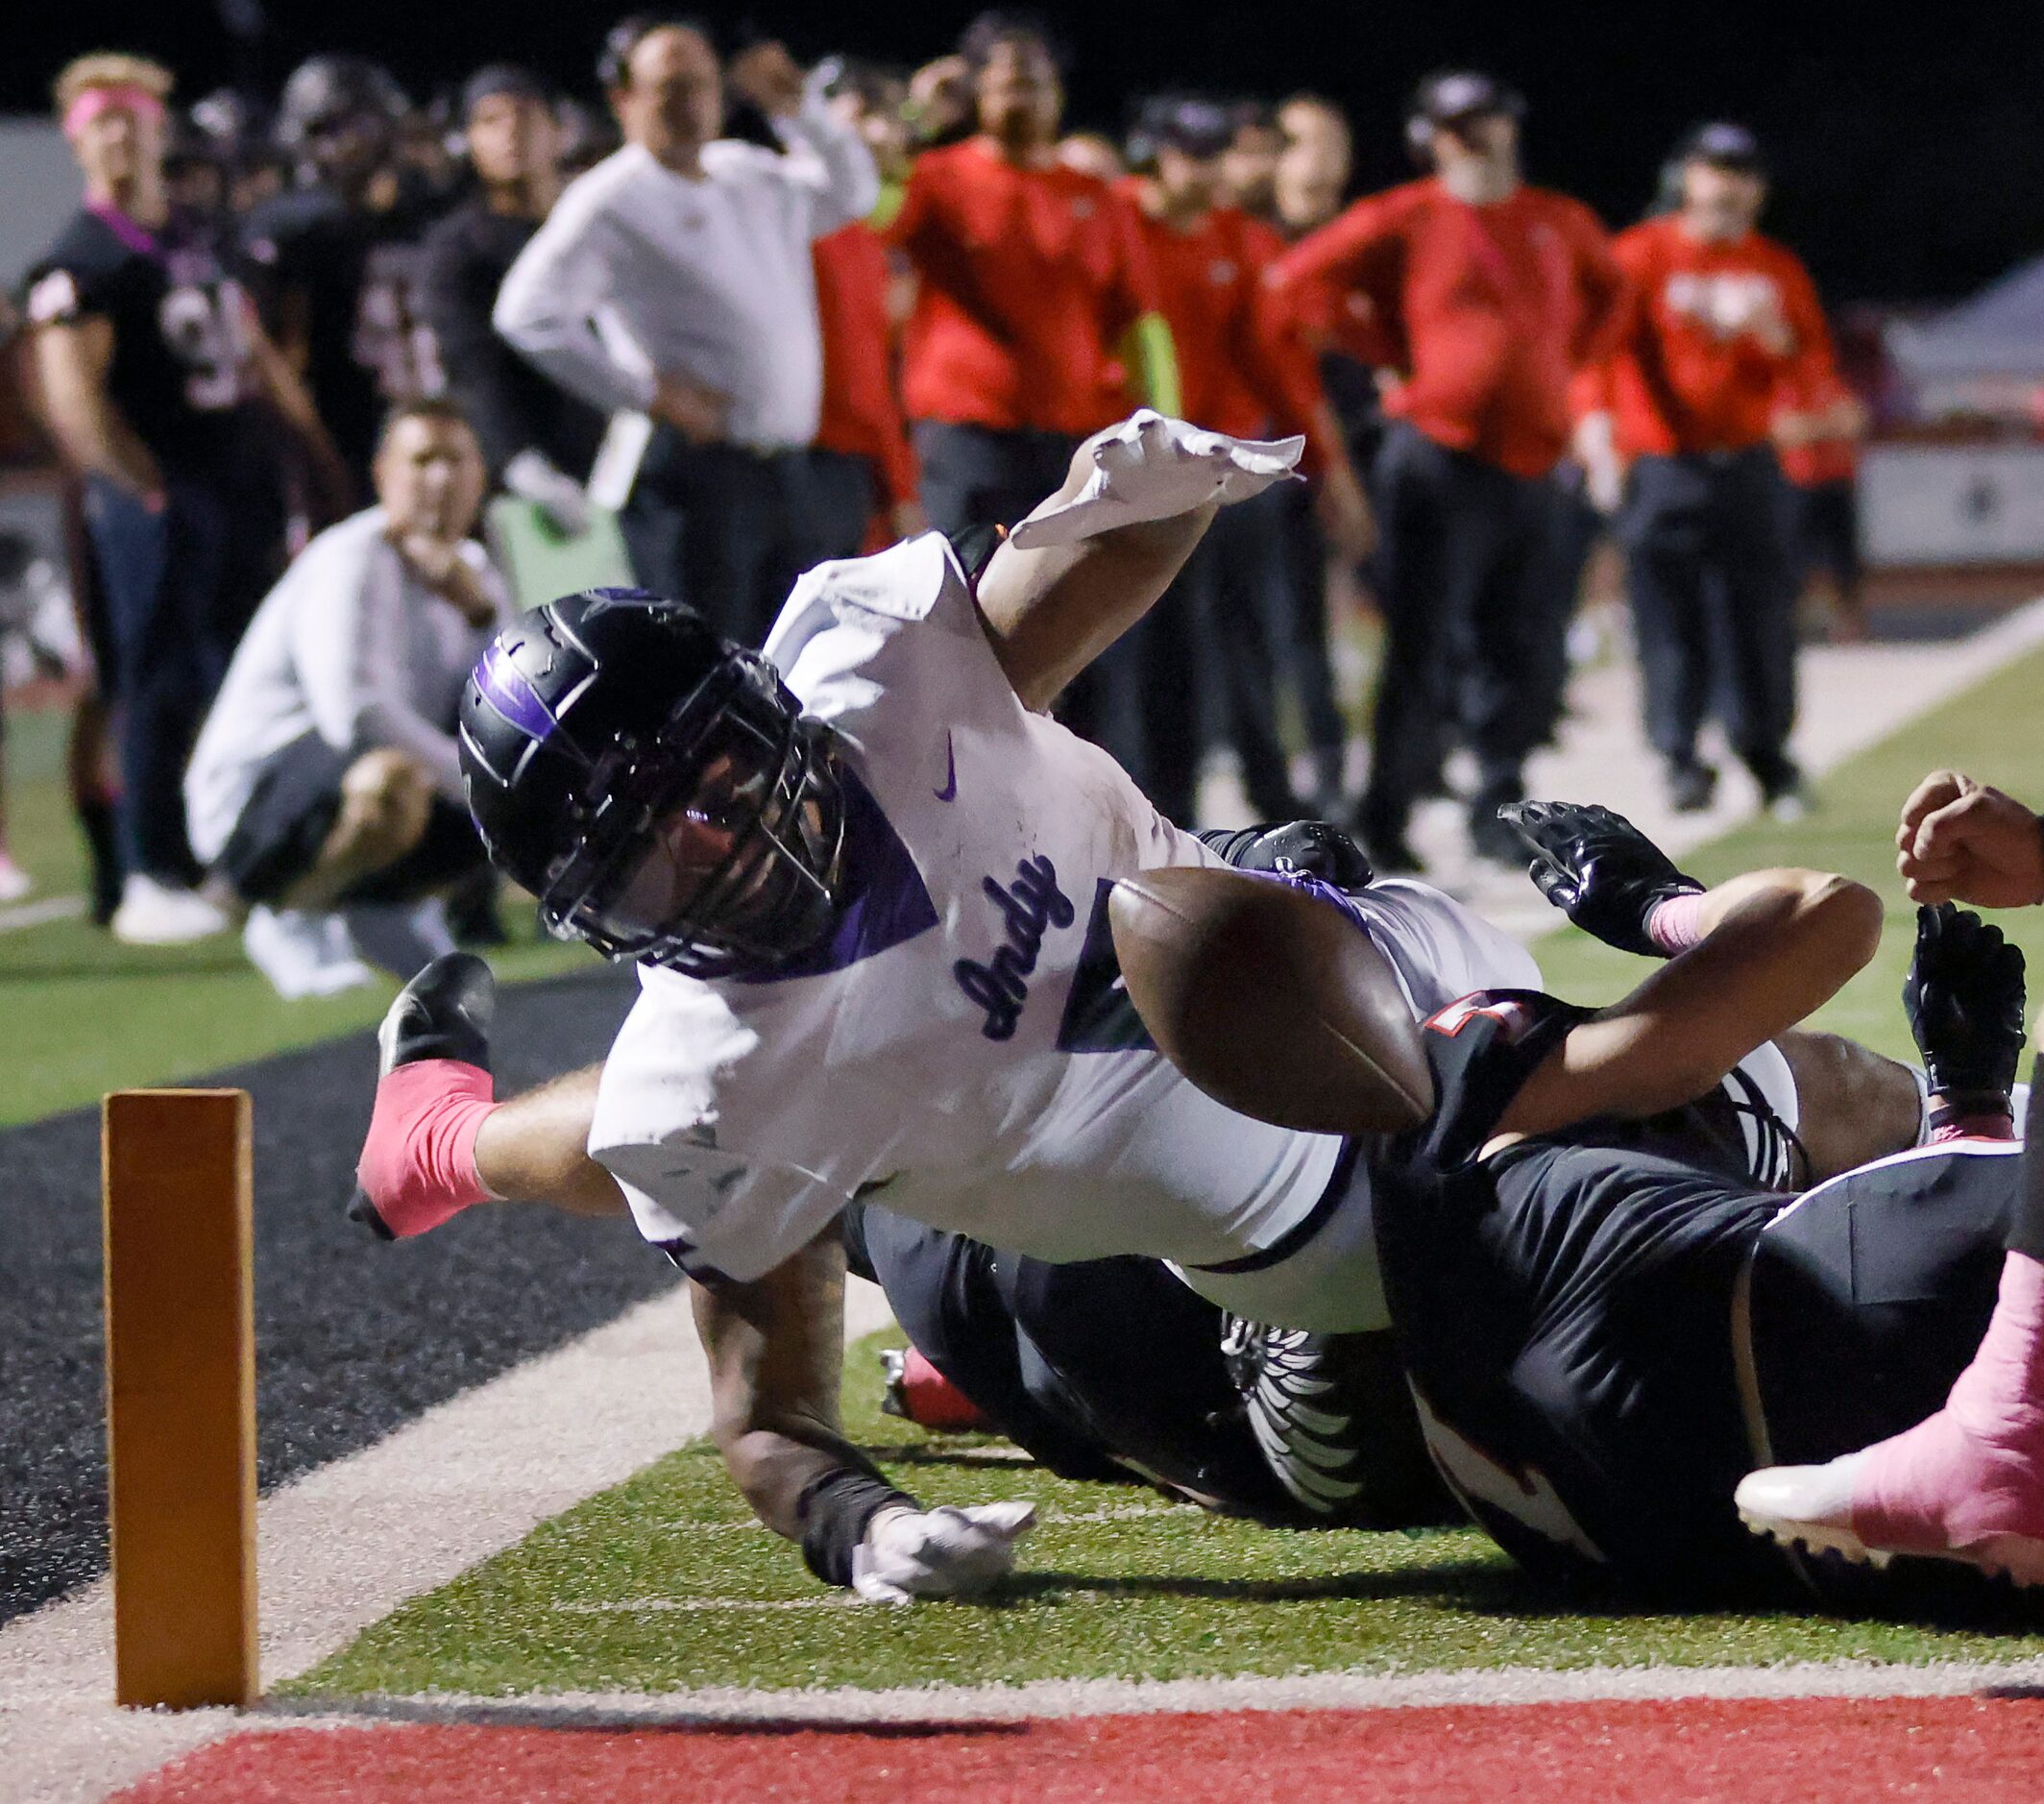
<point x="1491" y="294"/>
<point x="1240" y="373"/>
<point x="536" y="437"/>
<point x="335" y="282"/>
<point x="1716" y="324"/>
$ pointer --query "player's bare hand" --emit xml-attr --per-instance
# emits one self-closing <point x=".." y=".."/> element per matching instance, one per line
<point x="439" y="565"/>
<point x="944" y="1553"/>
<point x="1963" y="841"/>
<point x="699" y="414"/>
<point x="769" y="77"/>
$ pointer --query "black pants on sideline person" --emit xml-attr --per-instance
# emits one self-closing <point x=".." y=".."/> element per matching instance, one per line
<point x="974" y="475"/>
<point x="1712" y="584"/>
<point x="716" y="526"/>
<point x="1237" y="586"/>
<point x="1463" y="554"/>
<point x="1305" y="655"/>
<point x="843" y="496"/>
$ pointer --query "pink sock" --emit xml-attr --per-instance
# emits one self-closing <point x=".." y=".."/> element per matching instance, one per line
<point x="418" y="1164"/>
<point x="1974" y="1469"/>
<point x="1676" y="924"/>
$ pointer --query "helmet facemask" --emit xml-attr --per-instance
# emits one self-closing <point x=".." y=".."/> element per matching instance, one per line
<point x="712" y="846"/>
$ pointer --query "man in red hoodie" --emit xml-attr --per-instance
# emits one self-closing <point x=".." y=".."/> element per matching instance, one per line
<point x="1035" y="316"/>
<point x="1497" y="292"/>
<point x="1240" y="371"/>
<point x="1718" y="324"/>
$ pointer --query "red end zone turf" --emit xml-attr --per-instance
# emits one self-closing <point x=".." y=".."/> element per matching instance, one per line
<point x="1984" y="1750"/>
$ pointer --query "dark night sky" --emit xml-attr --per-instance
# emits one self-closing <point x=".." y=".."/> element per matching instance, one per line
<point x="1908" y="140"/>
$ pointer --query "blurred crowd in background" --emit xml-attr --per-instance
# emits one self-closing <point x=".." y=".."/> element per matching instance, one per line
<point x="734" y="317"/>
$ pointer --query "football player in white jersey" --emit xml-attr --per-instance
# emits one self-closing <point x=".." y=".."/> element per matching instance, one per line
<point x="865" y="874"/>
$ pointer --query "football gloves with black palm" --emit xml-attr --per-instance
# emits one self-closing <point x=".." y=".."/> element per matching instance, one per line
<point x="1598" y="868"/>
<point x="1964" y="999"/>
<point x="1315" y="847"/>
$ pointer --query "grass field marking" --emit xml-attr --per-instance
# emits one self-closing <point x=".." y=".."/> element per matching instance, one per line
<point x="347" y="1543"/>
<point x="1119" y="1698"/>
<point x="51" y="908"/>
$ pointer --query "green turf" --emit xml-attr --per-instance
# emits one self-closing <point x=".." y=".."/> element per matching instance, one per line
<point x="1992" y="732"/>
<point x="664" y="1581"/>
<point x="98" y="1016"/>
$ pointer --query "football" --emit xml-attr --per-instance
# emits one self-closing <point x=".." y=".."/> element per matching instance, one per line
<point x="1271" y="1000"/>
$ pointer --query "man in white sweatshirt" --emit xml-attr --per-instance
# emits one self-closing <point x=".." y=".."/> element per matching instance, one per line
<point x="673" y="282"/>
<point x="325" y="791"/>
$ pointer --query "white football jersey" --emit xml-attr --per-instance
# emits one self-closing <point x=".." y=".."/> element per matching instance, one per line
<point x="962" y="1048"/>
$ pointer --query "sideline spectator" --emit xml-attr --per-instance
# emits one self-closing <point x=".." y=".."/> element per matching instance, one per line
<point x="1718" y="321"/>
<point x="150" y="363"/>
<point x="1817" y="432"/>
<point x="1249" y="166"/>
<point x="335" y="282"/>
<point x="1239" y="375"/>
<point x="675" y="280"/>
<point x="325" y="790"/>
<point x="1497" y="291"/>
<point x="1310" y="182"/>
<point x="1036" y="298"/>
<point x="863" y="468"/>
<point x="537" y="439"/>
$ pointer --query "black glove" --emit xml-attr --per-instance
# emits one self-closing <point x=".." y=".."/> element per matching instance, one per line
<point x="1598" y="868"/>
<point x="1964" y="999"/>
<point x="1312" y="846"/>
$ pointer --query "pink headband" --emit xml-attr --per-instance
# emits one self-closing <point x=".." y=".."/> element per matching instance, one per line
<point x="94" y="101"/>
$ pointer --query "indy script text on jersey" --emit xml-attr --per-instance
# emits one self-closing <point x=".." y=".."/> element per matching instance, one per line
<point x="1029" y="906"/>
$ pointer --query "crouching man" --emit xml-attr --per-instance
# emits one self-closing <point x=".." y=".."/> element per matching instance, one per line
<point x="325" y="792"/>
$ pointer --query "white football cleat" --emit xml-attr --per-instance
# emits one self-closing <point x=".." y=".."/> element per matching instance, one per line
<point x="1807" y="1506"/>
<point x="15" y="882"/>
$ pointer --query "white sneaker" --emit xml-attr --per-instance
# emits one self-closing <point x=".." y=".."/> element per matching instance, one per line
<point x="302" y="953"/>
<point x="15" y="882"/>
<point x="154" y="914"/>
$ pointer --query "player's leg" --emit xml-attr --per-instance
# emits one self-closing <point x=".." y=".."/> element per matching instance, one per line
<point x="439" y="1141"/>
<point x="1662" y="532"/>
<point x="1854" y="1105"/>
<point x="1966" y="1483"/>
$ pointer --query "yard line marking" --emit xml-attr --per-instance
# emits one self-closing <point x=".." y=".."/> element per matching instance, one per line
<point x="52" y="907"/>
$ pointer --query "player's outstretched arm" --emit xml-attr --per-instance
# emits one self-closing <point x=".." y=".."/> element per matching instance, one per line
<point x="1764" y="950"/>
<point x="1090" y="562"/>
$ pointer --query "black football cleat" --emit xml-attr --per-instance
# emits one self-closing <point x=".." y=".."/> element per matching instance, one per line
<point x="444" y="1013"/>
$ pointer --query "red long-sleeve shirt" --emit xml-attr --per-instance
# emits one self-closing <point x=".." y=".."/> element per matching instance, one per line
<point x="1690" y="368"/>
<point x="1495" y="306"/>
<point x="1242" y="370"/>
<point x="861" y="412"/>
<point x="1026" y="280"/>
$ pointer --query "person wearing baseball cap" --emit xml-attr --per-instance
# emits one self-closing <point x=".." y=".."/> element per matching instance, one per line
<point x="1494" y="294"/>
<point x="1718" y="324"/>
<point x="537" y="438"/>
<point x="1241" y="372"/>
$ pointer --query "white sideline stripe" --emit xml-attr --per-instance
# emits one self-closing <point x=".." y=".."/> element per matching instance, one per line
<point x="462" y="1482"/>
<point x="52" y="907"/>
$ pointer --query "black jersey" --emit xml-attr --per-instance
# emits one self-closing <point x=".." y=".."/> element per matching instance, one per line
<point x="181" y="374"/>
<point x="348" y="277"/>
<point x="1565" y="1311"/>
<point x="462" y="265"/>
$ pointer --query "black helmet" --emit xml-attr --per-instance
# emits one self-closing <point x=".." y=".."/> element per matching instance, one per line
<point x="328" y="91"/>
<point x="659" y="789"/>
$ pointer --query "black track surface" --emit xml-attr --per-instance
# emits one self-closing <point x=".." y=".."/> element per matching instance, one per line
<point x="353" y="1336"/>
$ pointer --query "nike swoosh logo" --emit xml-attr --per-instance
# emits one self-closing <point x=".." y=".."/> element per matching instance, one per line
<point x="949" y="792"/>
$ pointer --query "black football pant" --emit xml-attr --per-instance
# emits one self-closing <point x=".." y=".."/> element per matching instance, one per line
<point x="1712" y="584"/>
<point x="976" y="476"/>
<point x="1461" y="569"/>
<point x="720" y="527"/>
